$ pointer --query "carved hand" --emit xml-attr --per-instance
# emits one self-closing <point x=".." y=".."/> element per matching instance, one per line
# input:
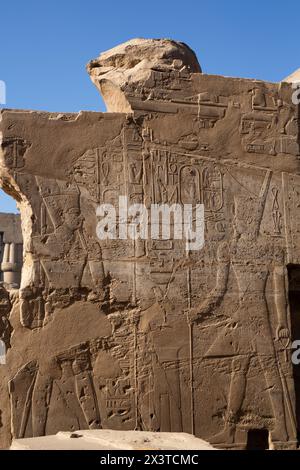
<point x="195" y="313"/>
<point x="192" y="315"/>
<point x="282" y="332"/>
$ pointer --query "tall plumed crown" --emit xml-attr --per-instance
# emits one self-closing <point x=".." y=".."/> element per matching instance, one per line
<point x="58" y="196"/>
<point x="250" y="207"/>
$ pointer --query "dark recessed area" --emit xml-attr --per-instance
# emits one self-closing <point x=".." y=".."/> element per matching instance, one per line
<point x="258" y="439"/>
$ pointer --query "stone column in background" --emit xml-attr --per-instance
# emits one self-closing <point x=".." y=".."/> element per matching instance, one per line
<point x="9" y="265"/>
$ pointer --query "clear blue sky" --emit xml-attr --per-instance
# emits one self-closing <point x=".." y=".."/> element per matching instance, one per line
<point x="45" y="44"/>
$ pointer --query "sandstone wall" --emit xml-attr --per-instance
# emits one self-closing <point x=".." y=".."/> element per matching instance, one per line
<point x="127" y="334"/>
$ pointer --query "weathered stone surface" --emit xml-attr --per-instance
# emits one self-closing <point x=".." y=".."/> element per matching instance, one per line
<point x="142" y="334"/>
<point x="129" y="72"/>
<point x="113" y="440"/>
<point x="5" y="327"/>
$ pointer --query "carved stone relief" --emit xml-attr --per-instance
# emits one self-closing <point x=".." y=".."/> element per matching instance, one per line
<point x="143" y="334"/>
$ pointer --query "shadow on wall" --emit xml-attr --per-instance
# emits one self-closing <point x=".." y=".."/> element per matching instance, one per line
<point x="294" y="301"/>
